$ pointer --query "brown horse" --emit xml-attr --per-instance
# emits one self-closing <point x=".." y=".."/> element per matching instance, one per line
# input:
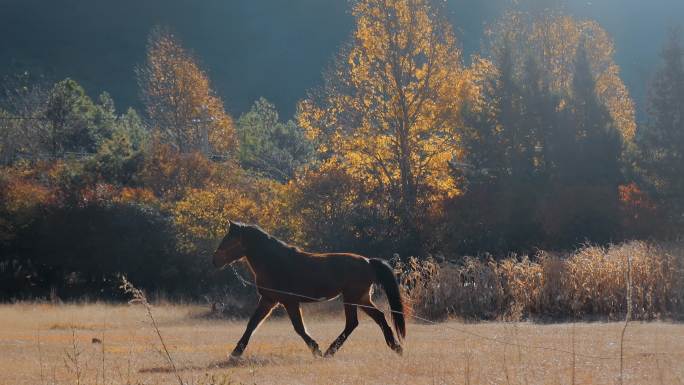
<point x="287" y="275"/>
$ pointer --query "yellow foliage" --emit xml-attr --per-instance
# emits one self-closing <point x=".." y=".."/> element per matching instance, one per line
<point x="22" y="195"/>
<point x="390" y="110"/>
<point x="553" y="40"/>
<point x="320" y="198"/>
<point x="168" y="173"/>
<point x="180" y="101"/>
<point x="203" y="214"/>
<point x="135" y="195"/>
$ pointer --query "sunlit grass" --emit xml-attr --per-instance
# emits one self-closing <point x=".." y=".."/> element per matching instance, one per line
<point x="434" y="354"/>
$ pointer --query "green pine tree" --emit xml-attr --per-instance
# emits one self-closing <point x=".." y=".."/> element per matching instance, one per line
<point x="269" y="146"/>
<point x="661" y="142"/>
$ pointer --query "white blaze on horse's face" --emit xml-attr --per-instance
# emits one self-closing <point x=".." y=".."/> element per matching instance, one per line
<point x="229" y="251"/>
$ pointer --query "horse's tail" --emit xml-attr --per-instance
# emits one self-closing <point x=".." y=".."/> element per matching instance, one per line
<point x="384" y="276"/>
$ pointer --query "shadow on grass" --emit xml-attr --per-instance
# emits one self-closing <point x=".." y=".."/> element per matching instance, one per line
<point x="244" y="362"/>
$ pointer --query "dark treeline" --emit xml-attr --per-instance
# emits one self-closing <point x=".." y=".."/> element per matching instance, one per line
<point x="407" y="147"/>
<point x="266" y="48"/>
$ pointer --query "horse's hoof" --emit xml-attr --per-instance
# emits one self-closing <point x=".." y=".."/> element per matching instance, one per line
<point x="329" y="354"/>
<point x="398" y="349"/>
<point x="234" y="358"/>
<point x="317" y="353"/>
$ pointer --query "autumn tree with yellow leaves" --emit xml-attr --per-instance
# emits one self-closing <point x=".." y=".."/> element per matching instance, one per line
<point x="179" y="100"/>
<point x="390" y="106"/>
<point x="553" y="39"/>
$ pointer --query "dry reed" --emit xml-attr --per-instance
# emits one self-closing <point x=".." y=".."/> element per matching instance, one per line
<point x="140" y="297"/>
<point x="589" y="284"/>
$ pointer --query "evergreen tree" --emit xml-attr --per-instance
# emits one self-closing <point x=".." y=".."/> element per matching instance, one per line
<point x="586" y="147"/>
<point x="661" y="143"/>
<point x="598" y="138"/>
<point x="22" y="107"/>
<point x="269" y="146"/>
<point x="76" y="123"/>
<point x="121" y="156"/>
<point x="505" y="142"/>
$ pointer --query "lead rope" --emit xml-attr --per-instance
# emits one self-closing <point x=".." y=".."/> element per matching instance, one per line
<point x="246" y="282"/>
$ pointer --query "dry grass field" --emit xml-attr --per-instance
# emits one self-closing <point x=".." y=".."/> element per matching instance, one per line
<point x="53" y="344"/>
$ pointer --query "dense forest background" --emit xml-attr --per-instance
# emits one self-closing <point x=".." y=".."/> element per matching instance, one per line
<point x="131" y="132"/>
<point x="269" y="48"/>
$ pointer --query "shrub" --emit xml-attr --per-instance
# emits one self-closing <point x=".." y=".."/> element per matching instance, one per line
<point x="589" y="283"/>
<point x="79" y="250"/>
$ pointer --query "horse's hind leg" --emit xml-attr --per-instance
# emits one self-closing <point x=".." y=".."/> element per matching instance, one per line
<point x="352" y="321"/>
<point x="262" y="311"/>
<point x="369" y="308"/>
<point x="295" y="313"/>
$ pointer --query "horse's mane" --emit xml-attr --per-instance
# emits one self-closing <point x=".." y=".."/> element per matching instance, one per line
<point x="260" y="238"/>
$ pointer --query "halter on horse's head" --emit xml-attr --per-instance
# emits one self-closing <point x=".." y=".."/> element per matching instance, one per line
<point x="231" y="248"/>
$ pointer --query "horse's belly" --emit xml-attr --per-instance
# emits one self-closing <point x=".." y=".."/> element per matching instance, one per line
<point x="319" y="294"/>
<point x="300" y="293"/>
<point x="324" y="298"/>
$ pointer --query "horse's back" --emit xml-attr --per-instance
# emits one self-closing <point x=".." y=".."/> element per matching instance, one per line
<point x="352" y="273"/>
<point x="345" y="263"/>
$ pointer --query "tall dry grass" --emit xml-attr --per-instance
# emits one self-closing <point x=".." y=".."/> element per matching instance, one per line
<point x="588" y="283"/>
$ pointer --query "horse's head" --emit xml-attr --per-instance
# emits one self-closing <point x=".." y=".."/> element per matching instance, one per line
<point x="231" y="248"/>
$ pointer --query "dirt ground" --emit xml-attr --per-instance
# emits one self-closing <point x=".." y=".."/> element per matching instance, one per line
<point x="60" y="344"/>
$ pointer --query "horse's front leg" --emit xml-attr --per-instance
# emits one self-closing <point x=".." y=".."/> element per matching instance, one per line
<point x="262" y="311"/>
<point x="295" y="313"/>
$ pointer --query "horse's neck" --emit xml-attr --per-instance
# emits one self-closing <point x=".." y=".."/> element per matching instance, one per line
<point x="256" y="262"/>
<point x="263" y="260"/>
